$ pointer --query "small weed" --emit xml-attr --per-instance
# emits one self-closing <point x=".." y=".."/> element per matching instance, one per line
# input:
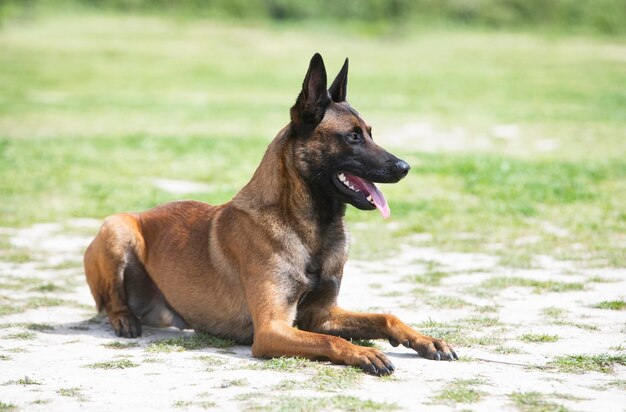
<point x="481" y="321"/>
<point x="194" y="404"/>
<point x="47" y="287"/>
<point x="246" y="396"/>
<point x="120" y="345"/>
<point x="115" y="364"/>
<point x="196" y="341"/>
<point x="23" y="336"/>
<point x="588" y="363"/>
<point x="554" y="312"/>
<point x="447" y="302"/>
<point x="487" y="309"/>
<point x="507" y="350"/>
<point x="461" y="391"/>
<point x="392" y="294"/>
<point x="41" y="327"/>
<point x="599" y="279"/>
<point x="6" y="407"/>
<point x="619" y="383"/>
<point x="460" y="336"/>
<point x="234" y="382"/>
<point x="43" y="302"/>
<point x="5" y="357"/>
<point x="567" y="397"/>
<point x="23" y="381"/>
<point x="539" y="286"/>
<point x="584" y="326"/>
<point x="611" y="305"/>
<point x="41" y="401"/>
<point x="340" y="402"/>
<point x="333" y="379"/>
<point x="211" y="361"/>
<point x="538" y="338"/>
<point x="534" y="402"/>
<point x="74" y="392"/>
<point x="283" y="364"/>
<point x="430" y="278"/>
<point x="153" y="360"/>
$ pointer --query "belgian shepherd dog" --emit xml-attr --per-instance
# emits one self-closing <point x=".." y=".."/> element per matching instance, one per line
<point x="265" y="268"/>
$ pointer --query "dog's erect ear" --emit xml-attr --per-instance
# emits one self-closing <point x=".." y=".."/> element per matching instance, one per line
<point x="314" y="98"/>
<point x="339" y="89"/>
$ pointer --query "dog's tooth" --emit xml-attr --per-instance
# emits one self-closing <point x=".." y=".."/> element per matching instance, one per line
<point x="370" y="198"/>
<point x="342" y="177"/>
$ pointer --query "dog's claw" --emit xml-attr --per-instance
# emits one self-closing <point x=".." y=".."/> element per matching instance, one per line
<point x="126" y="325"/>
<point x="455" y="355"/>
<point x="437" y="355"/>
<point x="406" y="344"/>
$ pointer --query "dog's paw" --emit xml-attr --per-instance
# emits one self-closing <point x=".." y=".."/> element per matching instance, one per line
<point x="125" y="324"/>
<point x="431" y="348"/>
<point x="374" y="362"/>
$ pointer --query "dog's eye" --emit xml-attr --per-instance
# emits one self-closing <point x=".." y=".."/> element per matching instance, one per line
<point x="354" y="138"/>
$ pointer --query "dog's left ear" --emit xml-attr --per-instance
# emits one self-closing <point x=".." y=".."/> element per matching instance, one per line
<point x="339" y="89"/>
<point x="314" y="98"/>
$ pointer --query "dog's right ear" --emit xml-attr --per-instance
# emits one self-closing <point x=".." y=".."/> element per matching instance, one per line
<point x="313" y="100"/>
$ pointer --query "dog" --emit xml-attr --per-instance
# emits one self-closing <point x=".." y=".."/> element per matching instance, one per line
<point x="265" y="268"/>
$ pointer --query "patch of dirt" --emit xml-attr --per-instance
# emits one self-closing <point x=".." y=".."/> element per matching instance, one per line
<point x="48" y="348"/>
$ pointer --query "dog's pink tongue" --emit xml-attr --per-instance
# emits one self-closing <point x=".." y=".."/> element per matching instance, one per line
<point x="377" y="196"/>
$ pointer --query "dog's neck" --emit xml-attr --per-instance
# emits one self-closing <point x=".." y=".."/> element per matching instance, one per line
<point x="276" y="186"/>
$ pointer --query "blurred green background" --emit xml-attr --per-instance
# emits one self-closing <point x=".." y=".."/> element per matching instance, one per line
<point x="512" y="113"/>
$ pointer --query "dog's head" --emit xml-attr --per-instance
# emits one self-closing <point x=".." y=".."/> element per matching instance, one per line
<point x="334" y="150"/>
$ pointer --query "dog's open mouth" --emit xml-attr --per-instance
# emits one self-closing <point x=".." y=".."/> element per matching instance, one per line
<point x="367" y="190"/>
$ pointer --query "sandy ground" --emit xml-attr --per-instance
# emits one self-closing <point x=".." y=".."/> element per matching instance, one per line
<point x="45" y="350"/>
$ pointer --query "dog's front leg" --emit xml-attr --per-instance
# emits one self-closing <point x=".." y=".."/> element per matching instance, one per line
<point x="274" y="336"/>
<point x="355" y="325"/>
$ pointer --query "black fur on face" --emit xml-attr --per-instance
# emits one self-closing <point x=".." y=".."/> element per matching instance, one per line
<point x="333" y="149"/>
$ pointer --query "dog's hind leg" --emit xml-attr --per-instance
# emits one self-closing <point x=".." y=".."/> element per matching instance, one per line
<point x="106" y="260"/>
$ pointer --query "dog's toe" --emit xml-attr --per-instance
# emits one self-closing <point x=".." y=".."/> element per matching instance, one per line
<point x="126" y="325"/>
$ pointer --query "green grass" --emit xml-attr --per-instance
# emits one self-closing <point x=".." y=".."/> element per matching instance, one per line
<point x="335" y="379"/>
<point x="40" y="327"/>
<point x="284" y="364"/>
<point x="77" y="112"/>
<point x="461" y="391"/>
<point x="539" y="286"/>
<point x="23" y="336"/>
<point x="339" y="402"/>
<point x="538" y="338"/>
<point x="23" y="381"/>
<point x="194" y="404"/>
<point x="459" y="336"/>
<point x="196" y="341"/>
<point x="114" y="364"/>
<point x="120" y="345"/>
<point x="534" y="402"/>
<point x="234" y="382"/>
<point x="431" y="278"/>
<point x="74" y="392"/>
<point x="603" y="363"/>
<point x="6" y="407"/>
<point x="447" y="302"/>
<point x="554" y="313"/>
<point x="611" y="304"/>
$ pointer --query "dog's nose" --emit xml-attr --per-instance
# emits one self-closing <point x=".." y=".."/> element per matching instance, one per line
<point x="402" y="168"/>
